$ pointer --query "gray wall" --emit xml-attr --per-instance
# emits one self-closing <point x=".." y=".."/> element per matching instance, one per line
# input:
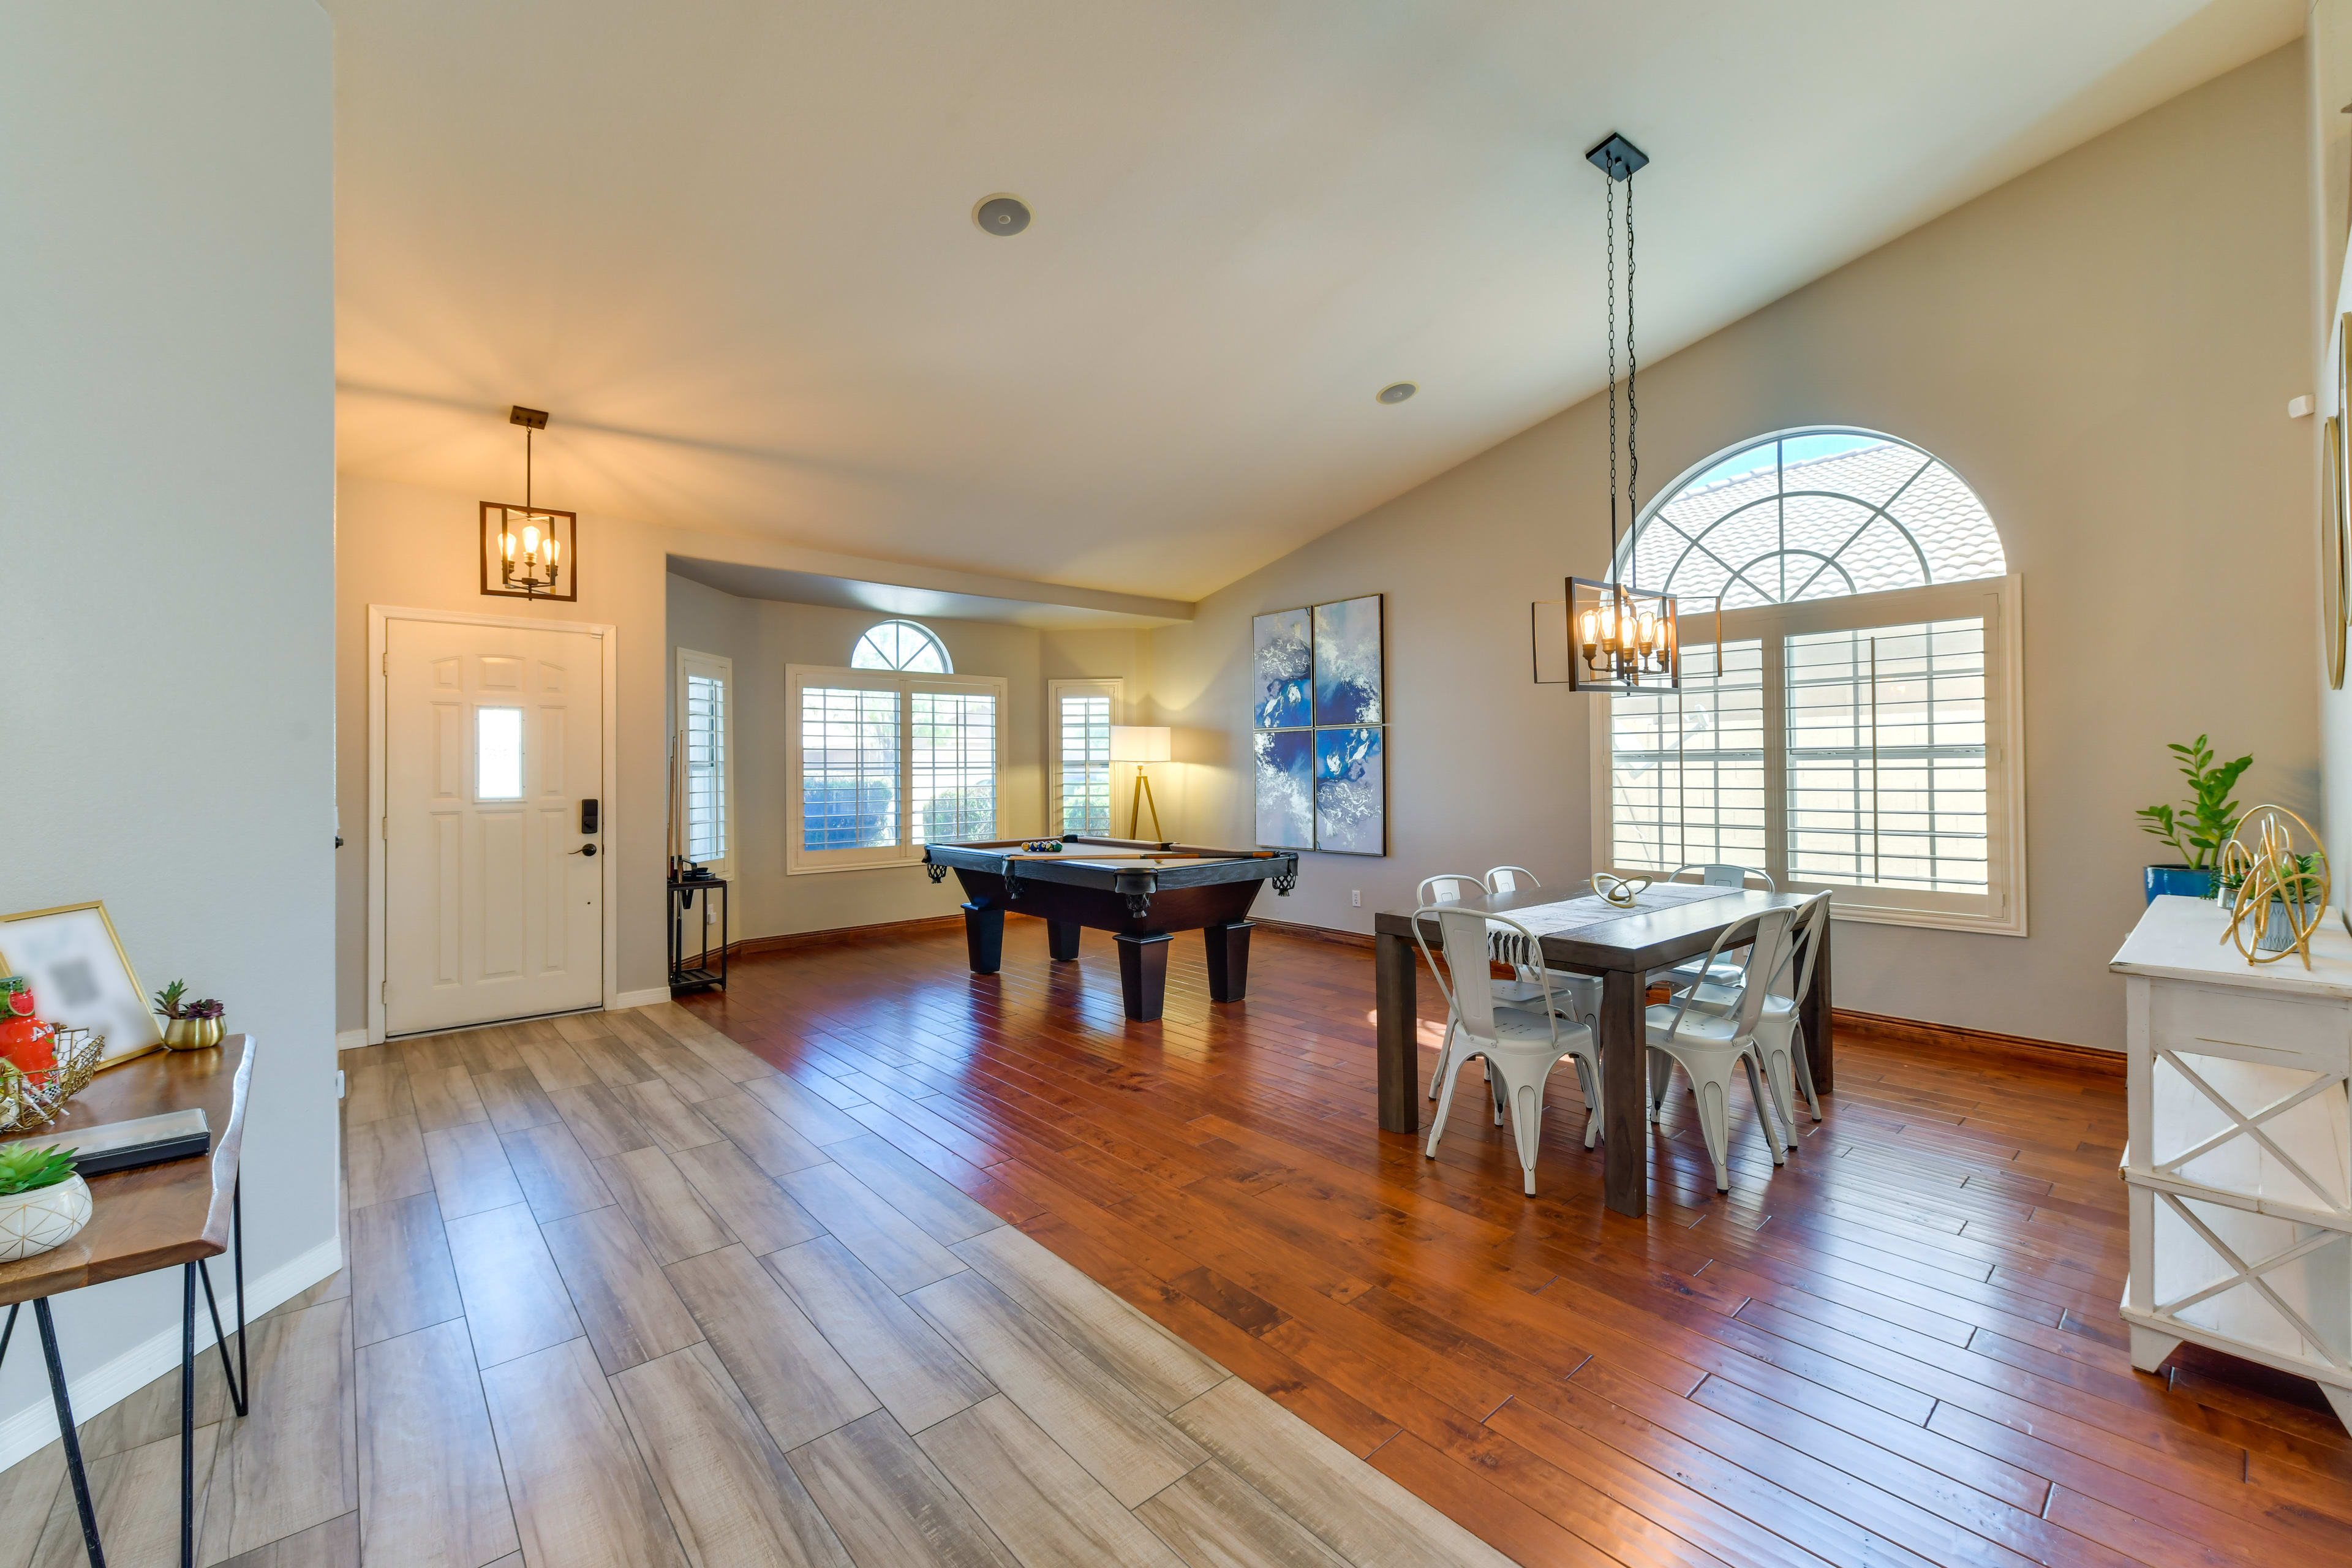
<point x="166" y="521"/>
<point x="2102" y="348"/>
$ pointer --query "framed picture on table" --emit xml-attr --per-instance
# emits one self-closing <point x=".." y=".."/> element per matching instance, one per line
<point x="80" y="976"/>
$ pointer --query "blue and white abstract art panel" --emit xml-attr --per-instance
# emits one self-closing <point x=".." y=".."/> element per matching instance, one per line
<point x="1350" y="792"/>
<point x="1286" y="788"/>
<point x="1349" y="686"/>
<point x="1284" y="663"/>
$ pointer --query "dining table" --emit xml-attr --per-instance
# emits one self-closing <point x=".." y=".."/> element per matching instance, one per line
<point x="1668" y="923"/>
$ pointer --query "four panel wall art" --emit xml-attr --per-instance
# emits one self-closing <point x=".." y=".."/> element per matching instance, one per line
<point x="1318" y="721"/>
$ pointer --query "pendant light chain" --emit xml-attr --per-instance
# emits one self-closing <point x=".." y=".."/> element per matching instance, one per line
<point x="1633" y="409"/>
<point x="1613" y="377"/>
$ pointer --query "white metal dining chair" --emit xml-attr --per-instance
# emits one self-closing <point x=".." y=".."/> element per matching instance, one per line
<point x="1449" y="888"/>
<point x="1780" y="1027"/>
<point x="1711" y="874"/>
<point x="1521" y="1046"/>
<point x="1453" y="887"/>
<point x="1708" y="1045"/>
<point x="1579" y="993"/>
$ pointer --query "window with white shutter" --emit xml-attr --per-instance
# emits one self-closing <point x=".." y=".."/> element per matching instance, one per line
<point x="705" y="739"/>
<point x="880" y="763"/>
<point x="1868" y="742"/>
<point x="1078" y="716"/>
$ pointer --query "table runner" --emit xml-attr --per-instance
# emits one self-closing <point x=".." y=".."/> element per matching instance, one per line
<point x="1580" y="914"/>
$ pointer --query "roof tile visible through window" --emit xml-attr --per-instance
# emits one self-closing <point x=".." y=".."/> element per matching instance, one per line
<point x="1813" y="514"/>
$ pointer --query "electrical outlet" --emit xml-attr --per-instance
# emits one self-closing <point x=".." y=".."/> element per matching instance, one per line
<point x="1356" y="897"/>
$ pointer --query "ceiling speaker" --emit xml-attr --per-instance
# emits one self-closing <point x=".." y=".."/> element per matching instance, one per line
<point x="1002" y="216"/>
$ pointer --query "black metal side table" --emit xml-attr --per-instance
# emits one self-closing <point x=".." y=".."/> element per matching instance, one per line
<point x="701" y="974"/>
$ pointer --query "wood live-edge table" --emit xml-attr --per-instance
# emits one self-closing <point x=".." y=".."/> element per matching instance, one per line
<point x="180" y="1212"/>
<point x="1622" y="950"/>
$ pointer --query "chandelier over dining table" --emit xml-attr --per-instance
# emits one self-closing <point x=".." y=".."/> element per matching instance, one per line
<point x="1622" y="639"/>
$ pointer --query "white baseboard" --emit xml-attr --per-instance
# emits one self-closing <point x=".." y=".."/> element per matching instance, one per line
<point x="351" y="1039"/>
<point x="659" y="994"/>
<point x="31" y="1428"/>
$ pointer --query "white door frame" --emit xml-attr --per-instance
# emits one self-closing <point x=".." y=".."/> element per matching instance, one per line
<point x="379" y="922"/>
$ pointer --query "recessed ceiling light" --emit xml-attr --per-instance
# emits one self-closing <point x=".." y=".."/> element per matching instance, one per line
<point x="1397" y="391"/>
<point x="1000" y="216"/>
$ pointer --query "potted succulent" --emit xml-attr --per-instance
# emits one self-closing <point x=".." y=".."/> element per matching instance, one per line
<point x="2200" y="827"/>
<point x="2301" y="878"/>
<point x="189" y="1026"/>
<point x="42" y="1203"/>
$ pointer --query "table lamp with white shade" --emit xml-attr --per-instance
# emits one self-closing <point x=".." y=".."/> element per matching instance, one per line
<point x="1141" y="744"/>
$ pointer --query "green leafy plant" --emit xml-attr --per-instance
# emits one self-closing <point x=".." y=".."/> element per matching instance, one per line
<point x="23" y="1169"/>
<point x="2198" y="831"/>
<point x="167" y="1000"/>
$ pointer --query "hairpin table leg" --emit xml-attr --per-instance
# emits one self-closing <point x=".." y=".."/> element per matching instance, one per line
<point x="188" y="1412"/>
<point x="236" y="1239"/>
<point x="233" y="1374"/>
<point x="66" y="1433"/>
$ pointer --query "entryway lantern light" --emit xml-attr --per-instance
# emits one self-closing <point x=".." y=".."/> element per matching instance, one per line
<point x="529" y="552"/>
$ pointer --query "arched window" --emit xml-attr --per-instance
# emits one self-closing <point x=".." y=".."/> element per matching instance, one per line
<point x="1848" y="716"/>
<point x="903" y="645"/>
<point x="1811" y="514"/>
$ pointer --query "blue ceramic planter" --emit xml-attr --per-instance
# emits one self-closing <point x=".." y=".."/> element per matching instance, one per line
<point x="2180" y="882"/>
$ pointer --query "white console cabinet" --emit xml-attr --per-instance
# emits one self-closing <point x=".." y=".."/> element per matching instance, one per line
<point x="2240" y="1159"/>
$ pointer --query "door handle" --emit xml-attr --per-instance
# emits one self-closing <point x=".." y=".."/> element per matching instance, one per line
<point x="587" y="850"/>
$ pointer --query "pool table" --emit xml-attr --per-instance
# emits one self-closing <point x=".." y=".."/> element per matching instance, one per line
<point x="1142" y="893"/>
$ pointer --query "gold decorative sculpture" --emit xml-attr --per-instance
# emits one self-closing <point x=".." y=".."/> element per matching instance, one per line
<point x="1619" y="890"/>
<point x="2278" y="891"/>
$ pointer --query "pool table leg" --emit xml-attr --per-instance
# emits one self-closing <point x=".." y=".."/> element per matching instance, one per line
<point x="1142" y="973"/>
<point x="984" y="934"/>
<point x="1228" y="961"/>
<point x="1062" y="938"/>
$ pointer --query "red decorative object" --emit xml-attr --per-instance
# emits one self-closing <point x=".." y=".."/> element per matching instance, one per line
<point x="25" y="1040"/>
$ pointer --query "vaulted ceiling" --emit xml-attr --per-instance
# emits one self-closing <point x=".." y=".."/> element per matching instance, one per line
<point x="728" y="244"/>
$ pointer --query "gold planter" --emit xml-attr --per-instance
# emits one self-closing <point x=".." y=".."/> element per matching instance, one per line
<point x="193" y="1033"/>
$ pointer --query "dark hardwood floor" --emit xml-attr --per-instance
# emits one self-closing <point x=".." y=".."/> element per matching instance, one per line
<point x="1900" y="1348"/>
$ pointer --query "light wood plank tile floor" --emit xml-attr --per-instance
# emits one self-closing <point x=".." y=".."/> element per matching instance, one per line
<point x="619" y="1293"/>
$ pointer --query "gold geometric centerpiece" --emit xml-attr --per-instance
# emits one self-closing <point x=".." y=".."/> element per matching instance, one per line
<point x="2277" y="890"/>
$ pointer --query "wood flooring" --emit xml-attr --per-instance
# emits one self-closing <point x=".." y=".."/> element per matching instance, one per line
<point x="620" y="1292"/>
<point x="1900" y="1348"/>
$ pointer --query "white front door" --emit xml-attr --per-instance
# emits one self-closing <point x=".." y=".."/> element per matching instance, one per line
<point x="493" y="891"/>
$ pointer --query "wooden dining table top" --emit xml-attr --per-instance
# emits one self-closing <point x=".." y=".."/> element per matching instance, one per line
<point x="154" y="1216"/>
<point x="1636" y="941"/>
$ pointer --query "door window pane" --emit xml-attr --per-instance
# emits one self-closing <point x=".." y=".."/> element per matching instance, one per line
<point x="498" y="753"/>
